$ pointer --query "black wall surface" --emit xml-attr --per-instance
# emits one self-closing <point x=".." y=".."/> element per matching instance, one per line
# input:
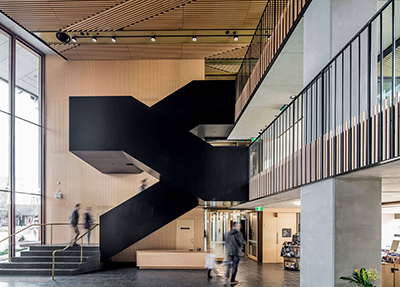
<point x="159" y="138"/>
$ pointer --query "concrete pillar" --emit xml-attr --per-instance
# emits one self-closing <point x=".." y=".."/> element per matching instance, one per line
<point x="340" y="230"/>
<point x="328" y="26"/>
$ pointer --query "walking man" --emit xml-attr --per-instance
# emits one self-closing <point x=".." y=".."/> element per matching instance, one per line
<point x="234" y="243"/>
<point x="74" y="219"/>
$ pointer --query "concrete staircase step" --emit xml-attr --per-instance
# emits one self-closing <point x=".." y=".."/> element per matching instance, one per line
<point x="38" y="261"/>
<point x="50" y="259"/>
<point x="47" y="272"/>
<point x="61" y="253"/>
<point x="62" y="246"/>
<point x="40" y="265"/>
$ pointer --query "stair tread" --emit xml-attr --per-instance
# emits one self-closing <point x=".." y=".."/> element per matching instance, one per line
<point x="36" y="263"/>
<point x="64" y="257"/>
<point x="38" y="270"/>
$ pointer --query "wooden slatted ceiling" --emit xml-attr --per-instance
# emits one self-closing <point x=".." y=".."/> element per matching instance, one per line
<point x="145" y="51"/>
<point x="225" y="67"/>
<point x="125" y="14"/>
<point x="237" y="53"/>
<point x="100" y="15"/>
<point x="63" y="47"/>
<point x="52" y="15"/>
<point x="207" y="14"/>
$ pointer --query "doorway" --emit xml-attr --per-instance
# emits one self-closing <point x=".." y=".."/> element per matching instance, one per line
<point x="185" y="234"/>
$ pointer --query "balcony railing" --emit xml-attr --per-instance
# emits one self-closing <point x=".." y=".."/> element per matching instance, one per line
<point x="345" y="119"/>
<point x="277" y="22"/>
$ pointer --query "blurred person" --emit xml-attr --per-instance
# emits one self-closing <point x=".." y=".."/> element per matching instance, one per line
<point x="73" y="221"/>
<point x="211" y="263"/>
<point x="234" y="243"/>
<point x="89" y="221"/>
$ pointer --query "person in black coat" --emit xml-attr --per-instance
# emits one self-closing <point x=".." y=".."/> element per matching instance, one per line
<point x="234" y="243"/>
<point x="73" y="221"/>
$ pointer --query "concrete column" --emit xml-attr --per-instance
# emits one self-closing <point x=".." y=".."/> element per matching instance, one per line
<point x="340" y="230"/>
<point x="328" y="26"/>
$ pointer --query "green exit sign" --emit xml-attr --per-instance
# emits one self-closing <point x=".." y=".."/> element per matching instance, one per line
<point x="259" y="208"/>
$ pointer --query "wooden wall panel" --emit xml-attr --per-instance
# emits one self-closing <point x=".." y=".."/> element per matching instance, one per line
<point x="148" y="81"/>
<point x="165" y="237"/>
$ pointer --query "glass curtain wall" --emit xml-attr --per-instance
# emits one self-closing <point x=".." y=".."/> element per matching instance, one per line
<point x="20" y="144"/>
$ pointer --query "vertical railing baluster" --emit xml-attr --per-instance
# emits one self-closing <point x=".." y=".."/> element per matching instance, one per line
<point x="342" y="123"/>
<point x="391" y="109"/>
<point x="350" y="145"/>
<point x="335" y="121"/>
<point x="380" y="109"/>
<point x="369" y="93"/>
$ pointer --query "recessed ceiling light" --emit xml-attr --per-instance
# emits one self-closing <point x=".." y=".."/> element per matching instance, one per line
<point x="194" y="38"/>
<point x="235" y="38"/>
<point x="94" y="39"/>
<point x="153" y="39"/>
<point x="74" y="39"/>
<point x="113" y="39"/>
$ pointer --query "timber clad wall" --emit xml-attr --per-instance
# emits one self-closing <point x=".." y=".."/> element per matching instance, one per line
<point x="146" y="80"/>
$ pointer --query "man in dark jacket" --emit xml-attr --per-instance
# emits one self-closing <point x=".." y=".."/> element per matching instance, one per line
<point x="74" y="219"/>
<point x="234" y="243"/>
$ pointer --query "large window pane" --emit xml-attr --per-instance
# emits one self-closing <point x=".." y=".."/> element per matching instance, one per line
<point x="4" y="151"/>
<point x="27" y="97"/>
<point x="4" y="230"/>
<point x="27" y="157"/>
<point x="27" y="212"/>
<point x="4" y="72"/>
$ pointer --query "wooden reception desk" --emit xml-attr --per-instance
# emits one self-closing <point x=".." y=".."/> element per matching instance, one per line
<point x="170" y="259"/>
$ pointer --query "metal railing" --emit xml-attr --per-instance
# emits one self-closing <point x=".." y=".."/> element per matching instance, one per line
<point x="33" y="225"/>
<point x="277" y="22"/>
<point x="345" y="119"/>
<point x="68" y="246"/>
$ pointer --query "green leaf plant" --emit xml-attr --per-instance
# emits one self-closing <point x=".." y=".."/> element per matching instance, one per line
<point x="361" y="277"/>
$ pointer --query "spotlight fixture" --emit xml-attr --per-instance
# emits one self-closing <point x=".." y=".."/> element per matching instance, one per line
<point x="194" y="38"/>
<point x="268" y="36"/>
<point x="113" y="39"/>
<point x="73" y="39"/>
<point x="153" y="39"/>
<point x="63" y="37"/>
<point x="94" y="39"/>
<point x="293" y="97"/>
<point x="235" y="38"/>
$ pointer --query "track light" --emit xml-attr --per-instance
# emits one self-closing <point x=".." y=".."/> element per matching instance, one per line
<point x="74" y="39"/>
<point x="235" y="38"/>
<point x="113" y="39"/>
<point x="63" y="37"/>
<point x="94" y="39"/>
<point x="194" y="38"/>
<point x="293" y="97"/>
<point x="153" y="39"/>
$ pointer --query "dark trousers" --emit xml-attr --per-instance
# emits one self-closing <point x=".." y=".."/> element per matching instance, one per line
<point x="235" y="264"/>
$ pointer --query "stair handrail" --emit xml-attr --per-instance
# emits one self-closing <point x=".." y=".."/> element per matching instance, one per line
<point x="69" y="245"/>
<point x="35" y="224"/>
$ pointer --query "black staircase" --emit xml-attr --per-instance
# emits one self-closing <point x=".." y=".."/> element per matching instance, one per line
<point x="114" y="134"/>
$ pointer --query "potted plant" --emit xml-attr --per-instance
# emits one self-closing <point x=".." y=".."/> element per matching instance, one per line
<point x="363" y="278"/>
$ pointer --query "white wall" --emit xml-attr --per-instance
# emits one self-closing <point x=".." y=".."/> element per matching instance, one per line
<point x="390" y="226"/>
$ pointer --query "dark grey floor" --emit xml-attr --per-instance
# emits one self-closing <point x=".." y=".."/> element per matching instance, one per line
<point x="251" y="274"/>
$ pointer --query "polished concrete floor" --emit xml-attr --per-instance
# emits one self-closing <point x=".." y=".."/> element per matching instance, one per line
<point x="250" y="274"/>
